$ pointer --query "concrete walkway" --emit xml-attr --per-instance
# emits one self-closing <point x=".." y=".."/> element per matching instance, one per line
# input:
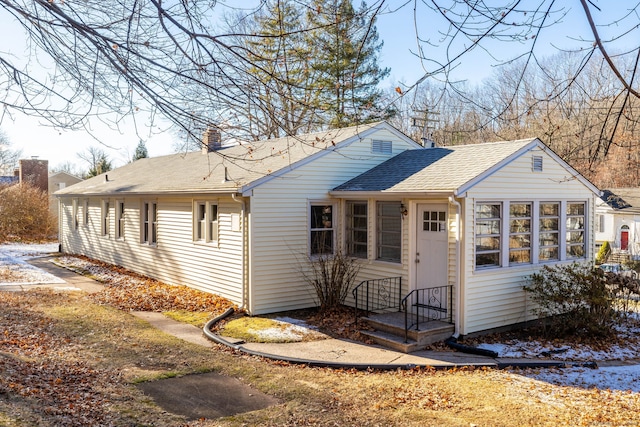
<point x="339" y="353"/>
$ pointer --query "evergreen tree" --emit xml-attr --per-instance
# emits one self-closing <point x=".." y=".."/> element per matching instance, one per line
<point x="281" y="78"/>
<point x="346" y="47"/>
<point x="141" y="151"/>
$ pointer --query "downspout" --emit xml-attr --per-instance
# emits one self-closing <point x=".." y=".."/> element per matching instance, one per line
<point x="243" y="278"/>
<point x="456" y="325"/>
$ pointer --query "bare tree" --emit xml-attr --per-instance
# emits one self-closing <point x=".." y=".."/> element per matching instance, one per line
<point x="8" y="157"/>
<point x="114" y="58"/>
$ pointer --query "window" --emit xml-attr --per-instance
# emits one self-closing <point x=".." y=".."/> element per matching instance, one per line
<point x="105" y="218"/>
<point x="575" y="230"/>
<point x="213" y="223"/>
<point x="205" y="221"/>
<point x="381" y="147"/>
<point x="357" y="220"/>
<point x="549" y="231"/>
<point x="389" y="231"/>
<point x="201" y="220"/>
<point x="74" y="208"/>
<point x="519" y="233"/>
<point x="488" y="224"/>
<point x="600" y="223"/>
<point x="150" y="223"/>
<point x="321" y="229"/>
<point x="497" y="242"/>
<point x="120" y="219"/>
<point x="85" y="212"/>
<point x="434" y="221"/>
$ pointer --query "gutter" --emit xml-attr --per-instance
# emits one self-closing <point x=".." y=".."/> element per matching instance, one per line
<point x="456" y="331"/>
<point x="243" y="225"/>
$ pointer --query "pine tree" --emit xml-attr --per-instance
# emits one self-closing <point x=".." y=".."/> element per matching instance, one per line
<point x="141" y="151"/>
<point x="346" y="52"/>
<point x="280" y="55"/>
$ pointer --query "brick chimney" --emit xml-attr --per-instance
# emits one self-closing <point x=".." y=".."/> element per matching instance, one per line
<point x="211" y="140"/>
<point x="35" y="172"/>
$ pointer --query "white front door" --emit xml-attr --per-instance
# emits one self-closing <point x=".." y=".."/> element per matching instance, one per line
<point x="432" y="248"/>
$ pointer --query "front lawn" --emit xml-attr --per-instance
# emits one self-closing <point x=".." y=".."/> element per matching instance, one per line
<point x="69" y="360"/>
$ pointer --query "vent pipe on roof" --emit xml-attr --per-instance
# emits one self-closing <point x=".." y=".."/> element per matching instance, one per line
<point x="211" y="140"/>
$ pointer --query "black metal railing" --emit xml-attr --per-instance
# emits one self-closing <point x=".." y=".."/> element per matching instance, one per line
<point x="427" y="305"/>
<point x="377" y="294"/>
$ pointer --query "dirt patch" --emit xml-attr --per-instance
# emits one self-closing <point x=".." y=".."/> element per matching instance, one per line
<point x="206" y="396"/>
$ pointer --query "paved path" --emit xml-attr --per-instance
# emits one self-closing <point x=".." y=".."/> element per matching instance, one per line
<point x="329" y="352"/>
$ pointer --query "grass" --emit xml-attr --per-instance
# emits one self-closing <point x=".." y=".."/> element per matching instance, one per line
<point x="70" y="359"/>
<point x="100" y="352"/>
<point x="198" y="318"/>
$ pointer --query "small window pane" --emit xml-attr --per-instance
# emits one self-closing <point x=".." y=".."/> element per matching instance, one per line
<point x="488" y="227"/>
<point x="486" y="259"/>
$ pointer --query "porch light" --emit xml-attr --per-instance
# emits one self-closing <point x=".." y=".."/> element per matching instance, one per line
<point x="403" y="210"/>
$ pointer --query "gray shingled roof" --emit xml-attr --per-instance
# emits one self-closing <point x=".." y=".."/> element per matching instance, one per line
<point x="197" y="172"/>
<point x="623" y="199"/>
<point x="434" y="169"/>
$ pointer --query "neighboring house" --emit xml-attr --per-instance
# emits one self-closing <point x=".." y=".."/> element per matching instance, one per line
<point x="618" y="221"/>
<point x="32" y="171"/>
<point x="242" y="221"/>
<point x="58" y="181"/>
<point x="8" y="180"/>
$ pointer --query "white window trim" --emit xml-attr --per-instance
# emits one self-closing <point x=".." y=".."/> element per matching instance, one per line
<point x="74" y="214"/>
<point x="349" y="230"/>
<point x="210" y="227"/>
<point x="85" y="212"/>
<point x="377" y="242"/>
<point x="105" y="218"/>
<point x="120" y="220"/>
<point x="334" y="216"/>
<point x="535" y="233"/>
<point x="148" y="221"/>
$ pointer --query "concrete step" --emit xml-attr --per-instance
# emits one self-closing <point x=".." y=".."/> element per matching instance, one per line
<point x="429" y="333"/>
<point x="392" y="341"/>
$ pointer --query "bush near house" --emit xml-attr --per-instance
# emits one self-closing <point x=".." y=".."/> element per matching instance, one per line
<point x="603" y="253"/>
<point x="331" y="277"/>
<point x="24" y="214"/>
<point x="574" y="299"/>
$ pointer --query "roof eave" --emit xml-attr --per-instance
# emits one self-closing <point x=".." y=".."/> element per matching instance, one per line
<point x="148" y="193"/>
<point x="345" y="194"/>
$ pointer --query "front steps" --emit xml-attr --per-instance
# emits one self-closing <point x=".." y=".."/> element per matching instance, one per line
<point x="389" y="332"/>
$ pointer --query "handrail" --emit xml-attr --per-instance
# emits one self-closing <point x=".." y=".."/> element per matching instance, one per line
<point x="428" y="304"/>
<point x="379" y="294"/>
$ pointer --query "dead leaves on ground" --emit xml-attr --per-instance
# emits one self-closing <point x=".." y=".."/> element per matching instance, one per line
<point x="126" y="290"/>
<point x="36" y="365"/>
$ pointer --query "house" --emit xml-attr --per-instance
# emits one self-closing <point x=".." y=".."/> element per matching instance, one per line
<point x="57" y="181"/>
<point x="618" y="222"/>
<point x="32" y="171"/>
<point x="242" y="221"/>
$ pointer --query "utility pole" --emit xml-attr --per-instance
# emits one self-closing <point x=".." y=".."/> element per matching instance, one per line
<point x="424" y="120"/>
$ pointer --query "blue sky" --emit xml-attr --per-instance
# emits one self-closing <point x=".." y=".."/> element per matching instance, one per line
<point x="396" y="29"/>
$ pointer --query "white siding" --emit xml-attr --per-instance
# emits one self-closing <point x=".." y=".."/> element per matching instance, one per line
<point x="176" y="259"/>
<point x="280" y="225"/>
<point x="493" y="297"/>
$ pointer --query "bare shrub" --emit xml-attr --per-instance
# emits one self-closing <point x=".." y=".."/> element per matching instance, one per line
<point x="24" y="214"/>
<point x="331" y="276"/>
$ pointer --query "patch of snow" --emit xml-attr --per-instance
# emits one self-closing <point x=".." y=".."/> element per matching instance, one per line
<point x="13" y="257"/>
<point x="291" y="330"/>
<point x="623" y="378"/>
<point x="293" y="321"/>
